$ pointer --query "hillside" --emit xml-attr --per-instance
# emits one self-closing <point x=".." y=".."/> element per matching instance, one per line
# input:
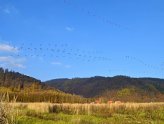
<point x="18" y="81"/>
<point x="24" y="88"/>
<point x="115" y="88"/>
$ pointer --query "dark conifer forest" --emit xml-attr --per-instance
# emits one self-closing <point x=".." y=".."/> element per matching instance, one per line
<point x="24" y="88"/>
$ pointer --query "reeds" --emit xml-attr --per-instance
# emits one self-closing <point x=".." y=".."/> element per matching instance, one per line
<point x="90" y="109"/>
<point x="3" y="115"/>
<point x="7" y="115"/>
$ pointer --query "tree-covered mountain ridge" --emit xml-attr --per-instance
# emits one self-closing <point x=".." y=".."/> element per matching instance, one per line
<point x="28" y="89"/>
<point x="114" y="88"/>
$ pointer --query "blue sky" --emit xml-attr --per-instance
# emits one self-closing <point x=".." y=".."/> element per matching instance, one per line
<point x="50" y="39"/>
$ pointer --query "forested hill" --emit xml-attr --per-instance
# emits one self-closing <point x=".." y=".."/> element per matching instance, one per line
<point x="117" y="88"/>
<point x="18" y="81"/>
<point x="24" y="88"/>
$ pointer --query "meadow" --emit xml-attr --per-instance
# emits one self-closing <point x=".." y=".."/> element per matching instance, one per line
<point x="66" y="113"/>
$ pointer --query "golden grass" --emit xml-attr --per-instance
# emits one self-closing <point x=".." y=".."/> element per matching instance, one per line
<point x="87" y="108"/>
<point x="7" y="114"/>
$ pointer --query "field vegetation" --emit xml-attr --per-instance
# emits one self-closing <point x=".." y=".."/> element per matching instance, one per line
<point x="114" y="113"/>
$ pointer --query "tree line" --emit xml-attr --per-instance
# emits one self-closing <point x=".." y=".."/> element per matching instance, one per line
<point x="24" y="88"/>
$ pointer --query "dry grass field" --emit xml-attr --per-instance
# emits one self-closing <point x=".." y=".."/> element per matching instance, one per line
<point x="114" y="113"/>
<point x="88" y="108"/>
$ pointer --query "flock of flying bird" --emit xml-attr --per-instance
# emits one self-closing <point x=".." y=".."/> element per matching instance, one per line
<point x="96" y="16"/>
<point x="117" y="25"/>
<point x="57" y="50"/>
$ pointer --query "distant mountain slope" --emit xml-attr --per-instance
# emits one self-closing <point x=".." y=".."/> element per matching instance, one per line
<point x="117" y="88"/>
<point x="28" y="89"/>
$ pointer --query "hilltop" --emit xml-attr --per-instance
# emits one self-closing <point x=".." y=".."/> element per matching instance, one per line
<point x="115" y="88"/>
